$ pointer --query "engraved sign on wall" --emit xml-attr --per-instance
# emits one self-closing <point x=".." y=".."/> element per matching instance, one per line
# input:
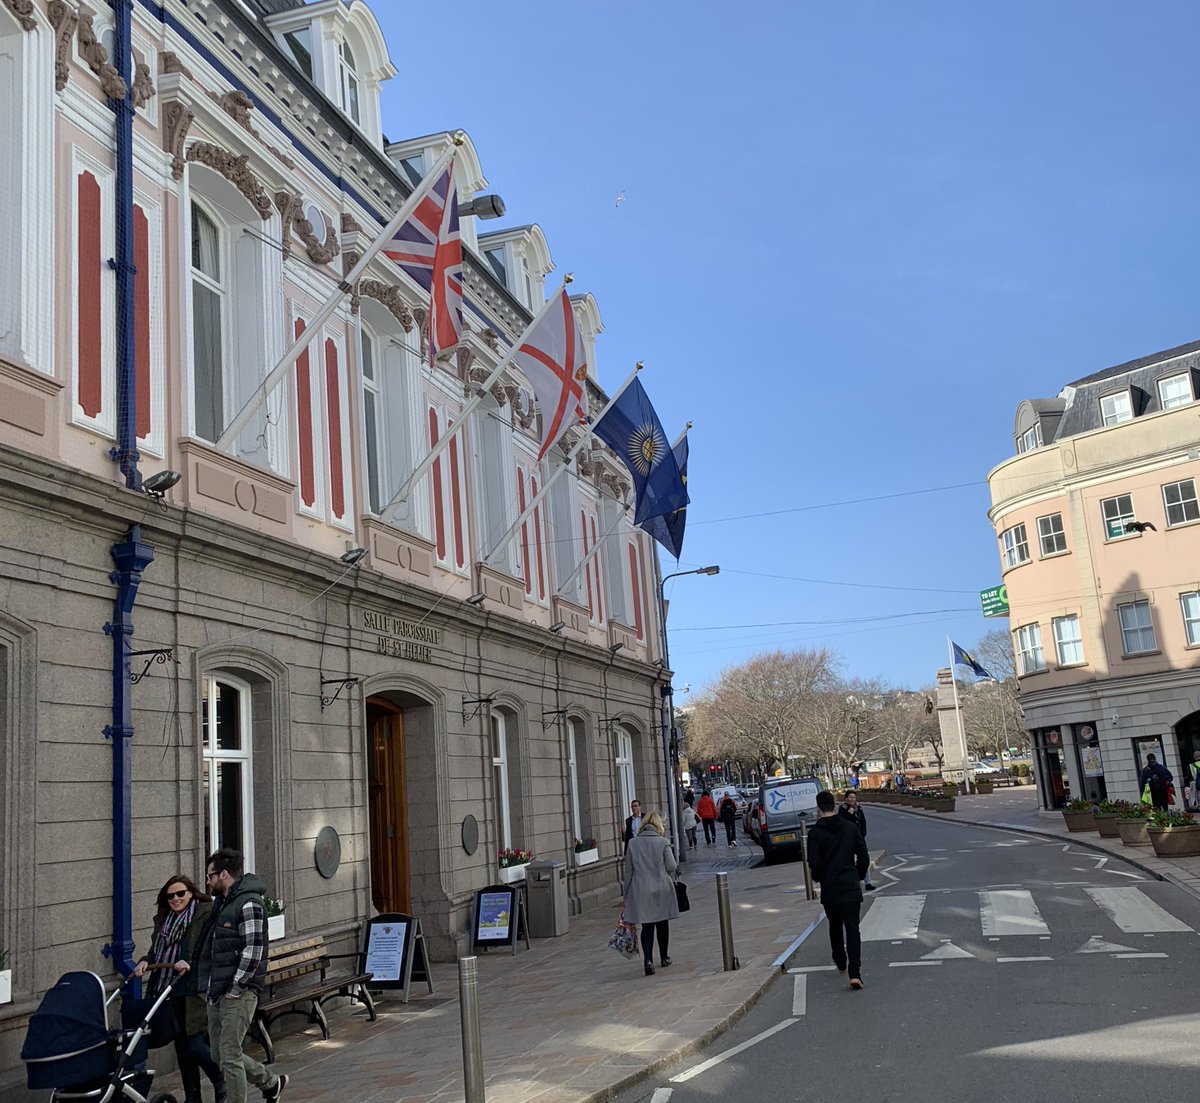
<point x="400" y="638"/>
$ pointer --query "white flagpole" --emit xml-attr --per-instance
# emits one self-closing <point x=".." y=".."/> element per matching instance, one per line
<point x="313" y="327"/>
<point x="402" y="495"/>
<point x="962" y="735"/>
<point x="612" y="528"/>
<point x="537" y="498"/>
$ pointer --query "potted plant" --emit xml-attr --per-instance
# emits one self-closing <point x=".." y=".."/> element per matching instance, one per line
<point x="5" y="978"/>
<point x="1106" y="817"/>
<point x="586" y="852"/>
<point x="1078" y="815"/>
<point x="1174" y="835"/>
<point x="1132" y="824"/>
<point x="941" y="800"/>
<point x="512" y="864"/>
<point x="275" y="920"/>
<point x="983" y="786"/>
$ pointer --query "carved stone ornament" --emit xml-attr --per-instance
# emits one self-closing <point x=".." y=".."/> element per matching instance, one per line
<point x="522" y="405"/>
<point x="421" y="314"/>
<point x="349" y="225"/>
<point x="500" y="393"/>
<point x="176" y="121"/>
<point x="319" y="252"/>
<point x="23" y="13"/>
<point x="237" y="105"/>
<point x="289" y="207"/>
<point x="235" y="167"/>
<point x="614" y="483"/>
<point x="349" y="259"/>
<point x="96" y="56"/>
<point x="168" y="62"/>
<point x="391" y="298"/>
<point x="490" y="338"/>
<point x="460" y="358"/>
<point x="143" y="85"/>
<point x="64" y="19"/>
<point x="584" y="462"/>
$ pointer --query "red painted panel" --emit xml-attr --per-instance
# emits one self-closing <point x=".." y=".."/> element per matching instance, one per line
<point x="526" y="566"/>
<point x="439" y="519"/>
<point x="636" y="578"/>
<point x="596" y="568"/>
<point x="308" y="481"/>
<point x="141" y="324"/>
<point x="456" y="501"/>
<point x="91" y="270"/>
<point x="537" y="540"/>
<point x="333" y="403"/>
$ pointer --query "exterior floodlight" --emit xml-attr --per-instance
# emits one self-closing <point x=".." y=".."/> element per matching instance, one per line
<point x="614" y="648"/>
<point x="482" y="206"/>
<point x="160" y="482"/>
<point x="352" y="555"/>
<point x="476" y="599"/>
<point x="558" y="626"/>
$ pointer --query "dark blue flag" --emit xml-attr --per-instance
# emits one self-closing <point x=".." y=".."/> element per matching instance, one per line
<point x="668" y="529"/>
<point x="961" y="658"/>
<point x="631" y="429"/>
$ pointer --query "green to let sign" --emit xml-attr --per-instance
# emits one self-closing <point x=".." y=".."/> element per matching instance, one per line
<point x="994" y="601"/>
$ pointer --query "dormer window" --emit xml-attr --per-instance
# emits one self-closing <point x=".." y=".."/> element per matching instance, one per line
<point x="348" y="82"/>
<point x="1175" y="390"/>
<point x="413" y="168"/>
<point x="1116" y="408"/>
<point x="1031" y="438"/>
<point x="495" y="259"/>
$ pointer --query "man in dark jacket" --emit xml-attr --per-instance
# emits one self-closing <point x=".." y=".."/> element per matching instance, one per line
<point x="233" y="971"/>
<point x="1158" y="777"/>
<point x="852" y="810"/>
<point x="838" y="857"/>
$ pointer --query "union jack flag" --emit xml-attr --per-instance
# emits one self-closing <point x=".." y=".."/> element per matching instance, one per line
<point x="428" y="247"/>
<point x="553" y="360"/>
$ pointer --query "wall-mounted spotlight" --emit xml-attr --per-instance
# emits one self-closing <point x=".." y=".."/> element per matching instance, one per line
<point x="476" y="599"/>
<point x="352" y="555"/>
<point x="557" y="626"/>
<point x="482" y="206"/>
<point x="615" y="647"/>
<point x="160" y="482"/>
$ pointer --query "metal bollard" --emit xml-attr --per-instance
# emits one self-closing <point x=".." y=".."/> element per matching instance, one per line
<point x="809" y="894"/>
<point x="727" y="955"/>
<point x="472" y="1043"/>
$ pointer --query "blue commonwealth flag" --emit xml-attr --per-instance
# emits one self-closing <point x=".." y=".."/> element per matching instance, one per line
<point x="668" y="529"/>
<point x="961" y="658"/>
<point x="631" y="428"/>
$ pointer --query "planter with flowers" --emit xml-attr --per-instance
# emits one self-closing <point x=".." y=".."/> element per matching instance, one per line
<point x="1079" y="815"/>
<point x="1107" y="817"/>
<point x="1174" y="835"/>
<point x="1132" y="824"/>
<point x="941" y="800"/>
<point x="512" y="864"/>
<point x="5" y="978"/>
<point x="275" y="920"/>
<point x="586" y="852"/>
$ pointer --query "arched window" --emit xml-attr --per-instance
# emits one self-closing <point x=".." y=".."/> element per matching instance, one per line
<point x="208" y="325"/>
<point x="579" y="779"/>
<point x="348" y="82"/>
<point x="626" y="783"/>
<point x="228" y="783"/>
<point x="500" y="779"/>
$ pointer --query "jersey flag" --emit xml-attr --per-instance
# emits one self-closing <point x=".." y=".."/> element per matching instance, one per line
<point x="553" y="360"/>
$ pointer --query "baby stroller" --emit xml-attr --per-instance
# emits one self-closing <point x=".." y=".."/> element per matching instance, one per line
<point x="70" y="1049"/>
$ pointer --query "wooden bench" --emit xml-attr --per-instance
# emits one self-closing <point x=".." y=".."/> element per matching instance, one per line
<point x="298" y="974"/>
<point x="1000" y="779"/>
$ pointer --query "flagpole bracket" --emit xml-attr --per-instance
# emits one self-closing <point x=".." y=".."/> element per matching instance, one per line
<point x="341" y="684"/>
<point x="552" y="717"/>
<point x="479" y="703"/>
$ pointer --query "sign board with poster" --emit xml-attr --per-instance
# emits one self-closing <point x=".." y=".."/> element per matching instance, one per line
<point x="499" y="917"/>
<point x="395" y="953"/>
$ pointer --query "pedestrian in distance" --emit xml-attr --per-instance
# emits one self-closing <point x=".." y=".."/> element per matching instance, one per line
<point x="707" y="811"/>
<point x="232" y="972"/>
<point x="649" y="888"/>
<point x="727" y="814"/>
<point x="1157" y="777"/>
<point x="690" y="822"/>
<point x="633" y="821"/>
<point x="1194" y="772"/>
<point x="179" y="922"/>
<point x="853" y="811"/>
<point x="689" y="797"/>
<point x="838" y="858"/>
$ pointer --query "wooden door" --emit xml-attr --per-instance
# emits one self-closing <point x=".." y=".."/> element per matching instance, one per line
<point x="388" y="808"/>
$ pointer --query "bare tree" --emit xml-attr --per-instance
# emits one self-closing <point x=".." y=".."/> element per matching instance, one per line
<point x="996" y="720"/>
<point x="908" y="721"/>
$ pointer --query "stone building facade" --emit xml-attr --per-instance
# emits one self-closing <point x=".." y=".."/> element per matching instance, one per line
<point x="280" y="683"/>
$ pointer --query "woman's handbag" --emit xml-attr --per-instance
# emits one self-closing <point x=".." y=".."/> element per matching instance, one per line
<point x="681" y="897"/>
<point x="624" y="939"/>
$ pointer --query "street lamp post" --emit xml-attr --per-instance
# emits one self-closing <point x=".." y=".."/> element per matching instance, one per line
<point x="669" y="740"/>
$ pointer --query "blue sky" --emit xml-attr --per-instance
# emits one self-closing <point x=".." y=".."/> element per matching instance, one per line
<point x="854" y="237"/>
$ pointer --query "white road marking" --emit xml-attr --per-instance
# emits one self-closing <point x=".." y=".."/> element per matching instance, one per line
<point x="1010" y="912"/>
<point x="1126" y="873"/>
<point x="712" y="1062"/>
<point x="1134" y="912"/>
<point x="661" y="1095"/>
<point x="1141" y="955"/>
<point x="800" y="995"/>
<point x="811" y="969"/>
<point x="1097" y="945"/>
<point x="893" y="917"/>
<point x="905" y="964"/>
<point x="1006" y="960"/>
<point x="946" y="951"/>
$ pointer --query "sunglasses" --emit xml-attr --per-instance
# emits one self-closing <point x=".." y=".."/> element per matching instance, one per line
<point x="178" y="895"/>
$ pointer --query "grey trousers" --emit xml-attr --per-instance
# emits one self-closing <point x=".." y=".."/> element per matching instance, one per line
<point x="228" y="1022"/>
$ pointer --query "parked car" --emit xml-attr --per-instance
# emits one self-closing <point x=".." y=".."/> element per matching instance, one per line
<point x="984" y="768"/>
<point x="784" y="804"/>
<point x="750" y="819"/>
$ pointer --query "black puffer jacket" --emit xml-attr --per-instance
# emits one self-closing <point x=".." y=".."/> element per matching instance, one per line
<point x="222" y="943"/>
<point x="838" y="858"/>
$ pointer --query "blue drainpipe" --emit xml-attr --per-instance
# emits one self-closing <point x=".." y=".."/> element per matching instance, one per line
<point x="132" y="555"/>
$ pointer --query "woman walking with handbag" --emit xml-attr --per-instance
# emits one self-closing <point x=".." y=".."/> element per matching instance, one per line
<point x="650" y="888"/>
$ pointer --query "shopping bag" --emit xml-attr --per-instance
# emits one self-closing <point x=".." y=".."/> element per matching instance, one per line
<point x="1146" y="798"/>
<point x="624" y="939"/>
<point x="681" y="897"/>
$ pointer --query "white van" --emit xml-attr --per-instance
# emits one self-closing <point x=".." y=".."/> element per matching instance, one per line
<point x="783" y="803"/>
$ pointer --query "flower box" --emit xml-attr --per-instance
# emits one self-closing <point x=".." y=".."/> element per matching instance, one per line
<point x="5" y="986"/>
<point x="940" y="804"/>
<point x="1079" y="821"/>
<point x="1175" y="842"/>
<point x="275" y="928"/>
<point x="1106" y="824"/>
<point x="510" y="875"/>
<point x="1133" y="832"/>
<point x="587" y="857"/>
<point x="983" y="788"/>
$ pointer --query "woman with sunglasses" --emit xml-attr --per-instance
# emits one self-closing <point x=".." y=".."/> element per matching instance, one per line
<point x="182" y="912"/>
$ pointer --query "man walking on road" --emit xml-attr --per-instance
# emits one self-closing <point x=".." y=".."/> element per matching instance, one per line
<point x="838" y="857"/>
<point x="233" y="970"/>
<point x="852" y="811"/>
<point x="1158" y="778"/>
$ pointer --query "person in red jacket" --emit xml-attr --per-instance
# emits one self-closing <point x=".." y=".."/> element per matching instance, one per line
<point x="707" y="811"/>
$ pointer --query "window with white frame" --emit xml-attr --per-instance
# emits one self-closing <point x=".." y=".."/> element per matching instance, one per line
<point x="413" y="168"/>
<point x="1175" y="390"/>
<point x="1137" y="628"/>
<point x="1116" y="408"/>
<point x="1117" y="513"/>
<point x="1180" y="501"/>
<point x="504" y="833"/>
<point x="227" y="780"/>
<point x="1016" y="546"/>
<point x="209" y="299"/>
<point x="623" y="760"/>
<point x="348" y="82"/>
<point x="497" y="262"/>
<point x="373" y="424"/>
<point x="299" y="43"/>
<point x="1190" y="604"/>
<point x="1068" y="640"/>
<point x="575" y="741"/>
<point x="1031" y="438"/>
<point x="1051" y="538"/>
<point x="1030" y="657"/>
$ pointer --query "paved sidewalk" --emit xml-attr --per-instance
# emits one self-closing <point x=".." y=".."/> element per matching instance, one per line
<point x="1017" y="809"/>
<point x="569" y="1021"/>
